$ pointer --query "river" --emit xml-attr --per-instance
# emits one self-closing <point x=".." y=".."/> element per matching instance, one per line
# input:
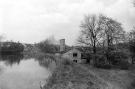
<point x="18" y="72"/>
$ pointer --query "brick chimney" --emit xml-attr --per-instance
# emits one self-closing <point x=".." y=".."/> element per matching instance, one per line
<point x="62" y="45"/>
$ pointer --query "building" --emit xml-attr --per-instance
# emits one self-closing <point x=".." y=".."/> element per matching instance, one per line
<point x="73" y="53"/>
<point x="62" y="45"/>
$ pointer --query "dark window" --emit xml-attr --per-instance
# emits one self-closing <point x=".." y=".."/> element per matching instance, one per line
<point x="74" y="54"/>
<point x="75" y="61"/>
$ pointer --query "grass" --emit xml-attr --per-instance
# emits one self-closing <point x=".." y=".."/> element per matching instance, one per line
<point x="133" y="83"/>
<point x="123" y="79"/>
<point x="69" y="75"/>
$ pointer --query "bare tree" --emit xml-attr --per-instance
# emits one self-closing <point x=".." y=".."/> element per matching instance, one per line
<point x="131" y="34"/>
<point x="131" y="38"/>
<point x="98" y="30"/>
<point x="112" y="33"/>
<point x="90" y="32"/>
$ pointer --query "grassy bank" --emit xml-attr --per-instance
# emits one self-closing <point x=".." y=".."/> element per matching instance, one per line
<point x="119" y="79"/>
<point x="69" y="75"/>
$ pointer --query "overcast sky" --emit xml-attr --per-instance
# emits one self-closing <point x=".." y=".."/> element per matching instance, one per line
<point x="32" y="21"/>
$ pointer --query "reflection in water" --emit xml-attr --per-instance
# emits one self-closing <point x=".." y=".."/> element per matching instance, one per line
<point x="24" y="73"/>
<point x="44" y="60"/>
<point x="11" y="59"/>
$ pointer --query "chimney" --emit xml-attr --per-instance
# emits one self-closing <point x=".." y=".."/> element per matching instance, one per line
<point x="62" y="45"/>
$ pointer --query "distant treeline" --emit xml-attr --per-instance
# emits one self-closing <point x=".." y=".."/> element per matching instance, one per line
<point x="47" y="47"/>
<point x="11" y="47"/>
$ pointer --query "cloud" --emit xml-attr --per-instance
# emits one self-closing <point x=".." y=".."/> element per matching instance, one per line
<point x="123" y="11"/>
<point x="35" y="20"/>
<point x="108" y="2"/>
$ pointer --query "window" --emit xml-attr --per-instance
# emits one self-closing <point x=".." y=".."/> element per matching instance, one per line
<point x="75" y="61"/>
<point x="74" y="54"/>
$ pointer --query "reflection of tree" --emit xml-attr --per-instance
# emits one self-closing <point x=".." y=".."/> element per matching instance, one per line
<point x="45" y="62"/>
<point x="11" y="59"/>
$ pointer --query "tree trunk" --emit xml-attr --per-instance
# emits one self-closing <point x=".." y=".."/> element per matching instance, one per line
<point x="108" y="49"/>
<point x="94" y="52"/>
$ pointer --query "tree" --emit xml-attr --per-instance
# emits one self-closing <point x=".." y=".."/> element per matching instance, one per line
<point x="47" y="46"/>
<point x="1" y="38"/>
<point x="131" y="34"/>
<point x="90" y="32"/>
<point x="102" y="32"/>
<point x="112" y="33"/>
<point x="132" y="43"/>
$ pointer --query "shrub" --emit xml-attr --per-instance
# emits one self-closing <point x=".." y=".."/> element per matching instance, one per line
<point x="48" y="47"/>
<point x="104" y="66"/>
<point x="124" y="65"/>
<point x="117" y="56"/>
<point x="67" y="61"/>
<point x="133" y="84"/>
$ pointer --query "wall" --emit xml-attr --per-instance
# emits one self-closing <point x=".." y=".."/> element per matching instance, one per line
<point x="70" y="53"/>
<point x="62" y="45"/>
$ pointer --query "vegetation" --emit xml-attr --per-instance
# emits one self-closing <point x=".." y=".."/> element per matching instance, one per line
<point x="11" y="59"/>
<point x="11" y="47"/>
<point x="108" y="45"/>
<point x="70" y="75"/>
<point x="107" y="39"/>
<point x="48" y="47"/>
<point x="90" y="34"/>
<point x="132" y="44"/>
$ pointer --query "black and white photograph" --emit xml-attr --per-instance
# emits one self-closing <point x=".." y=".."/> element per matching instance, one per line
<point x="67" y="44"/>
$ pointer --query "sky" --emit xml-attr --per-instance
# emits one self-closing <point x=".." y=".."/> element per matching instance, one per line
<point x="31" y="21"/>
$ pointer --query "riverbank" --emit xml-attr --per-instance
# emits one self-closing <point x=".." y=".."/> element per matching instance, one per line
<point x="69" y="75"/>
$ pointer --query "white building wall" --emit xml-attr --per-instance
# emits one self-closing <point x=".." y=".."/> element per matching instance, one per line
<point x="70" y="53"/>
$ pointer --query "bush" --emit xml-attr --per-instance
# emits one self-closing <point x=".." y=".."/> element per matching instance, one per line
<point x="67" y="61"/>
<point x="47" y="47"/>
<point x="117" y="56"/>
<point x="124" y="65"/>
<point x="133" y="84"/>
<point x="12" y="47"/>
<point x="104" y="66"/>
<point x="132" y="46"/>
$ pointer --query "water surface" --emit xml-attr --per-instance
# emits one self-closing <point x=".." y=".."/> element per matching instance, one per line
<point x="17" y="72"/>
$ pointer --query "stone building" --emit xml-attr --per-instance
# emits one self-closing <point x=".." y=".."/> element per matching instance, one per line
<point x="62" y="45"/>
<point x="73" y="53"/>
